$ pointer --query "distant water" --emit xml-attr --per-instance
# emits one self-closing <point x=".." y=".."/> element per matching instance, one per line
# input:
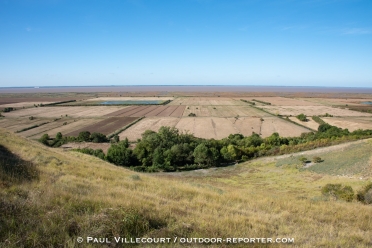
<point x="368" y="103"/>
<point x="184" y="88"/>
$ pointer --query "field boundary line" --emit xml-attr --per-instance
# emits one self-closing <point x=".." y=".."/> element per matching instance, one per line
<point x="285" y="119"/>
<point x="166" y="107"/>
<point x="125" y="128"/>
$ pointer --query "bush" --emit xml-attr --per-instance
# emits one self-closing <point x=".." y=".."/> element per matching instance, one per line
<point x="317" y="160"/>
<point x="192" y="114"/>
<point x="365" y="195"/>
<point x="338" y="191"/>
<point x="301" y="117"/>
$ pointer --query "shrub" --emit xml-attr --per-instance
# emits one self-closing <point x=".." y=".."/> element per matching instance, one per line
<point x="31" y="118"/>
<point x="301" y="117"/>
<point x="338" y="191"/>
<point x="317" y="160"/>
<point x="303" y="160"/>
<point x="365" y="195"/>
<point x="192" y="114"/>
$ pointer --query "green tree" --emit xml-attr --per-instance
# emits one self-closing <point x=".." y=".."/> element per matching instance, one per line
<point x="84" y="136"/>
<point x="98" y="138"/>
<point x="44" y="139"/>
<point x="120" y="155"/>
<point x="301" y="117"/>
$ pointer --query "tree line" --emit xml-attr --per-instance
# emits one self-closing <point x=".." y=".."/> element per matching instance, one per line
<point x="172" y="150"/>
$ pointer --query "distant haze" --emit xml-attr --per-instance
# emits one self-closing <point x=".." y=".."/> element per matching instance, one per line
<point x="194" y="88"/>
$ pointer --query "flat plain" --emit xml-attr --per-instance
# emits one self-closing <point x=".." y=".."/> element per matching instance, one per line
<point x="208" y="116"/>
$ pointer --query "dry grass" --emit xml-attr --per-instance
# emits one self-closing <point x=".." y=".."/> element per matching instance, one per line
<point x="352" y="124"/>
<point x="79" y="195"/>
<point x="312" y="110"/>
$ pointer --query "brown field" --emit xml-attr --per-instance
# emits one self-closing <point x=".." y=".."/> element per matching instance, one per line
<point x="192" y="101"/>
<point x="55" y="112"/>
<point x="338" y="101"/>
<point x="224" y="111"/>
<point x="216" y="127"/>
<point x="150" y="111"/>
<point x="151" y="123"/>
<point x="219" y="128"/>
<point x="45" y="128"/>
<point x="362" y="108"/>
<point x="350" y="123"/>
<point x="216" y="117"/>
<point x="282" y="101"/>
<point x="284" y="128"/>
<point x="310" y="123"/>
<point x="128" y="98"/>
<point x="21" y="104"/>
<point x="70" y="127"/>
<point x="106" y="126"/>
<point x="14" y="124"/>
<point x="12" y="100"/>
<point x="311" y="110"/>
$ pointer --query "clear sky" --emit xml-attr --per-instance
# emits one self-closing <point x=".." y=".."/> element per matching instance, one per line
<point x="186" y="42"/>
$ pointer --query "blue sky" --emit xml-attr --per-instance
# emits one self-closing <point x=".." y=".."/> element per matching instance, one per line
<point x="186" y="42"/>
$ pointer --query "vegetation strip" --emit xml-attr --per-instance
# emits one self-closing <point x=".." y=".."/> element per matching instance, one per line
<point x="266" y="103"/>
<point x="34" y="126"/>
<point x="56" y="103"/>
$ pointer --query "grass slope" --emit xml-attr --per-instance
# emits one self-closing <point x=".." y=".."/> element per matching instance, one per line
<point x="65" y="195"/>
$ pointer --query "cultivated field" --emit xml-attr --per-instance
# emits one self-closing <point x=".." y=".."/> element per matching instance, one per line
<point x="106" y="126"/>
<point x="152" y="123"/>
<point x="338" y="101"/>
<point x="310" y="123"/>
<point x="22" y="104"/>
<point x="39" y="131"/>
<point x="70" y="127"/>
<point x="150" y="111"/>
<point x="55" y="112"/>
<point x="16" y="124"/>
<point x="350" y="123"/>
<point x="311" y="110"/>
<point x="216" y="117"/>
<point x="103" y="99"/>
<point x="216" y="127"/>
<point x="284" y="128"/>
<point x="224" y="111"/>
<point x="208" y="101"/>
<point x="282" y="101"/>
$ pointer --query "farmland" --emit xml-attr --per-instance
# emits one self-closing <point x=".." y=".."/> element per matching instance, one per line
<point x="351" y="123"/>
<point x="55" y="112"/>
<point x="282" y="101"/>
<point x="81" y="187"/>
<point x="312" y="110"/>
<point x="216" y="127"/>
<point x="106" y="126"/>
<point x="150" y="111"/>
<point x="151" y="123"/>
<point x="215" y="117"/>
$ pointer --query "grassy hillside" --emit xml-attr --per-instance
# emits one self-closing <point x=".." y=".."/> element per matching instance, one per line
<point x="62" y="195"/>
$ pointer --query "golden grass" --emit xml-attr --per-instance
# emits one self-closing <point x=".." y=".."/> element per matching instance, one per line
<point x="80" y="195"/>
